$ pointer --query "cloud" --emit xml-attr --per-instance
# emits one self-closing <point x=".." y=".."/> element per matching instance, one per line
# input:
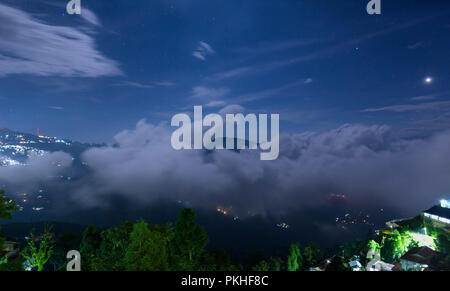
<point x="203" y="50"/>
<point x="367" y="163"/>
<point x="430" y="97"/>
<point x="423" y="98"/>
<point x="250" y="97"/>
<point x="442" y="105"/>
<point x="270" y="47"/>
<point x="321" y="53"/>
<point x="200" y="92"/>
<point x="416" y="45"/>
<point x="142" y="85"/>
<point x="232" y="109"/>
<point x="31" y="46"/>
<point x="37" y="169"/>
<point x="90" y="17"/>
<point x="308" y="80"/>
<point x="56" y="107"/>
<point x="215" y="104"/>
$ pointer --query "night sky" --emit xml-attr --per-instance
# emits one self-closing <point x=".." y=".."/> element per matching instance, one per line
<point x="319" y="64"/>
<point x="364" y="100"/>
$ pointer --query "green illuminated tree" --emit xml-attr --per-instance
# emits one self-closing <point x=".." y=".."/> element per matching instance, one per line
<point x="396" y="245"/>
<point x="39" y="249"/>
<point x="373" y="247"/>
<point x="295" y="258"/>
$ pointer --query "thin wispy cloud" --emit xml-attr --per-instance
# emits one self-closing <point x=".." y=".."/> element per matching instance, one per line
<point x="143" y="85"/>
<point x="423" y="98"/>
<point x="201" y="92"/>
<point x="416" y="45"/>
<point x="270" y="47"/>
<point x="322" y="53"/>
<point x="273" y="92"/>
<point x="203" y="50"/>
<point x="90" y="17"/>
<point x="429" y="97"/>
<point x="412" y="107"/>
<point x="30" y="46"/>
<point x="215" y="104"/>
<point x="56" y="107"/>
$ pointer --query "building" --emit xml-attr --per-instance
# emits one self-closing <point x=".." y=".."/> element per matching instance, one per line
<point x="440" y="213"/>
<point x="420" y="259"/>
<point x="355" y="265"/>
<point x="378" y="265"/>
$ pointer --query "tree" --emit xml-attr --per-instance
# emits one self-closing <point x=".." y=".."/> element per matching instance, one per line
<point x="115" y="242"/>
<point x="262" y="266"/>
<point x="216" y="260"/>
<point x="66" y="242"/>
<point x="396" y="245"/>
<point x="91" y="240"/>
<point x="443" y="242"/>
<point x="276" y="263"/>
<point x="38" y="254"/>
<point x="312" y="254"/>
<point x="189" y="241"/>
<point x="373" y="248"/>
<point x="295" y="258"/>
<point x="337" y="264"/>
<point x="147" y="250"/>
<point x="7" y="206"/>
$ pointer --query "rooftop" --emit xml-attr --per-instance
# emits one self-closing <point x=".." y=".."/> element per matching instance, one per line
<point x="439" y="211"/>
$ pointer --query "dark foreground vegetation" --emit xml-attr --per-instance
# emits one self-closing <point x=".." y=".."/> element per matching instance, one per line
<point x="140" y="246"/>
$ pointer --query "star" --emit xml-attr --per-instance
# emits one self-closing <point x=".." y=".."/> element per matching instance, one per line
<point x="428" y="80"/>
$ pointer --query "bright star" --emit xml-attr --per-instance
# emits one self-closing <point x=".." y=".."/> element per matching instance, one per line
<point x="428" y="80"/>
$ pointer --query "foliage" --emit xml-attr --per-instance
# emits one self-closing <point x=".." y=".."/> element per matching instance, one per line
<point x="38" y="254"/>
<point x="115" y="242"/>
<point x="7" y="206"/>
<point x="262" y="266"/>
<point x="12" y="265"/>
<point x="443" y="242"/>
<point x="295" y="258"/>
<point x="276" y="264"/>
<point x="216" y="260"/>
<point x="312" y="255"/>
<point x="66" y="242"/>
<point x="91" y="240"/>
<point x="396" y="245"/>
<point x="147" y="250"/>
<point x="337" y="264"/>
<point x="373" y="247"/>
<point x="189" y="241"/>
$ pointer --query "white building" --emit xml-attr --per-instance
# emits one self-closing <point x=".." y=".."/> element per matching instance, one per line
<point x="440" y="212"/>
